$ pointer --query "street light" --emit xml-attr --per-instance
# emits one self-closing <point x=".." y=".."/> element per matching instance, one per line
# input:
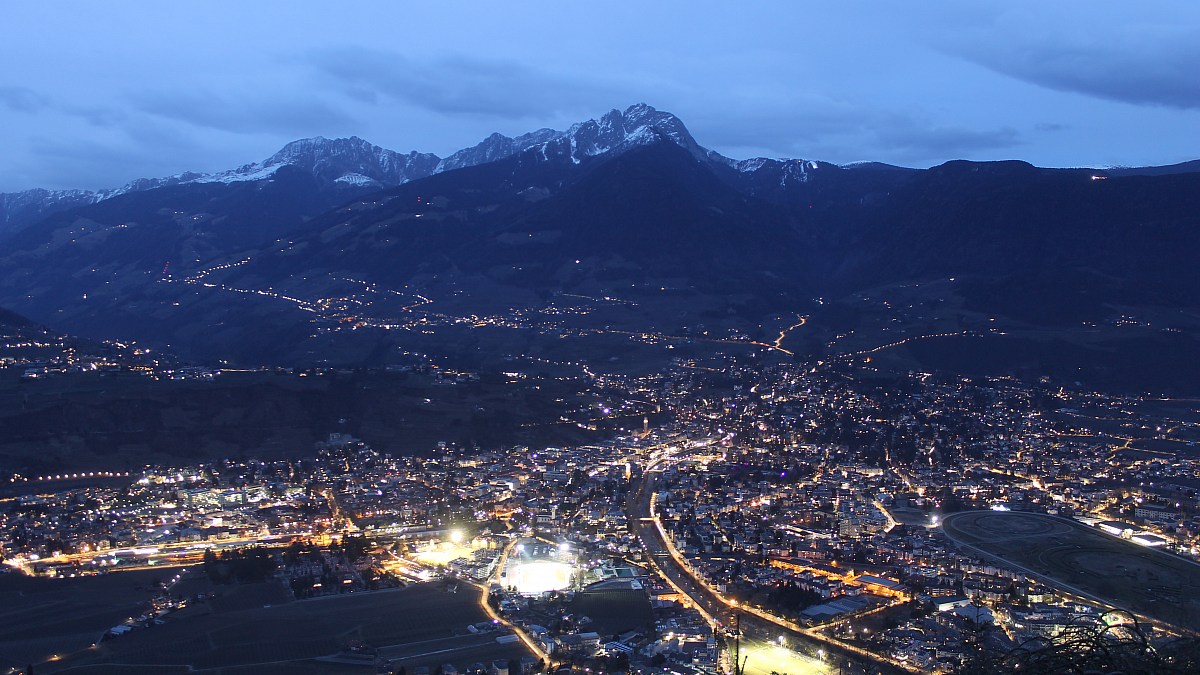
<point x="456" y="536"/>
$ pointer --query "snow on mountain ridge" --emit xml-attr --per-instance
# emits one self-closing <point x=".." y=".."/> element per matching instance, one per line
<point x="356" y="162"/>
<point x="611" y="131"/>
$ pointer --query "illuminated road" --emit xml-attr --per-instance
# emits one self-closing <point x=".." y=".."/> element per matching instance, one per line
<point x="495" y="616"/>
<point x="901" y="342"/>
<point x="175" y="554"/>
<point x="662" y="562"/>
<point x="666" y="560"/>
<point x="669" y="561"/>
<point x="778" y="344"/>
<point x="340" y="517"/>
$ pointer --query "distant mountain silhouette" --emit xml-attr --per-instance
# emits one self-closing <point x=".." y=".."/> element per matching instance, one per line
<point x="626" y="204"/>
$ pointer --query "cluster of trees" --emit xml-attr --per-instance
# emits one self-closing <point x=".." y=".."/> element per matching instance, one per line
<point x="352" y="547"/>
<point x="789" y="597"/>
<point x="240" y="565"/>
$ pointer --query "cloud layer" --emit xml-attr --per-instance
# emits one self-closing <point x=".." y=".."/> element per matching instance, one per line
<point x="183" y="87"/>
<point x="1131" y="61"/>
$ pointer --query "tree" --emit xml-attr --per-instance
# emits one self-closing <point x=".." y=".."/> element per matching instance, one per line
<point x="1087" y="648"/>
<point x="355" y="547"/>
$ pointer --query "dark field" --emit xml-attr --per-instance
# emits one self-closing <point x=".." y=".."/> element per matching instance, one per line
<point x="1080" y="558"/>
<point x="1030" y="334"/>
<point x="1113" y="360"/>
<point x="615" y="611"/>
<point x="421" y="625"/>
<point x="85" y="422"/>
<point x="42" y="617"/>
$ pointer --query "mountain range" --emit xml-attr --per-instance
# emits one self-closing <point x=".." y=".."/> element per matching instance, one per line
<point x="273" y="261"/>
<point x="354" y="164"/>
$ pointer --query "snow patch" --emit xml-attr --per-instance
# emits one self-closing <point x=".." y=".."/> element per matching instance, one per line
<point x="246" y="173"/>
<point x="356" y="179"/>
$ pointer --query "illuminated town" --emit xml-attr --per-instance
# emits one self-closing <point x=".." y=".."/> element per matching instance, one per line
<point x="773" y="518"/>
<point x="552" y="338"/>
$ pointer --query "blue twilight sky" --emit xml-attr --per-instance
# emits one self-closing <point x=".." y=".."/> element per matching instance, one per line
<point x="94" y="94"/>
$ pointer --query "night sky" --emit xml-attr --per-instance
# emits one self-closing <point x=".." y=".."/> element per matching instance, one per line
<point x="94" y="94"/>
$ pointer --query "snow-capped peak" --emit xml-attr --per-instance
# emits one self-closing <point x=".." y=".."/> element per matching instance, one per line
<point x="636" y="125"/>
<point x="354" y="162"/>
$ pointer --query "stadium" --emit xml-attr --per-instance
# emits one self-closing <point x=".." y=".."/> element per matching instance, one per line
<point x="535" y="568"/>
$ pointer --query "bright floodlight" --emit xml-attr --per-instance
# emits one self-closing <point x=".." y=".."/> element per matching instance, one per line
<point x="456" y="536"/>
<point x="564" y="547"/>
<point x="542" y="576"/>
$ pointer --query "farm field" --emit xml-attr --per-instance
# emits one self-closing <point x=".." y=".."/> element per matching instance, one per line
<point x="615" y="611"/>
<point x="1083" y="559"/>
<point x="42" y="617"/>
<point x="423" y="625"/>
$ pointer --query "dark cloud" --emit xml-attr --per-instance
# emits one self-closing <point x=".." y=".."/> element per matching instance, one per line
<point x="460" y="85"/>
<point x="99" y="116"/>
<point x="1139" y="69"/>
<point x="22" y="99"/>
<point x="245" y="113"/>
<point x="842" y="129"/>
<point x="75" y="162"/>
<point x="787" y="127"/>
<point x="26" y="100"/>
<point x="913" y="139"/>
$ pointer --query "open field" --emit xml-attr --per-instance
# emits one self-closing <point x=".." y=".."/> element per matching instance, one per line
<point x="41" y="617"/>
<point x="1083" y="559"/>
<point x="423" y="625"/>
<point x="120" y="422"/>
<point x="615" y="611"/>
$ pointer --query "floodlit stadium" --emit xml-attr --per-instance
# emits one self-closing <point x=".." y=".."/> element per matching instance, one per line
<point x="540" y="576"/>
<point x="537" y="566"/>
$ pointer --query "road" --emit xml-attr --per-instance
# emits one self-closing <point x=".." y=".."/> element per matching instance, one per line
<point x="485" y="591"/>
<point x="160" y="556"/>
<point x="755" y="624"/>
<point x="638" y="512"/>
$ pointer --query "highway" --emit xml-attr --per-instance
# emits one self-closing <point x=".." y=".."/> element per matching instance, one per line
<point x="756" y="624"/>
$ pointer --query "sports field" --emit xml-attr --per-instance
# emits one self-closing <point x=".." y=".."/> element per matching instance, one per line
<point x="769" y="658"/>
<point x="540" y="576"/>
<point x="1086" y="560"/>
